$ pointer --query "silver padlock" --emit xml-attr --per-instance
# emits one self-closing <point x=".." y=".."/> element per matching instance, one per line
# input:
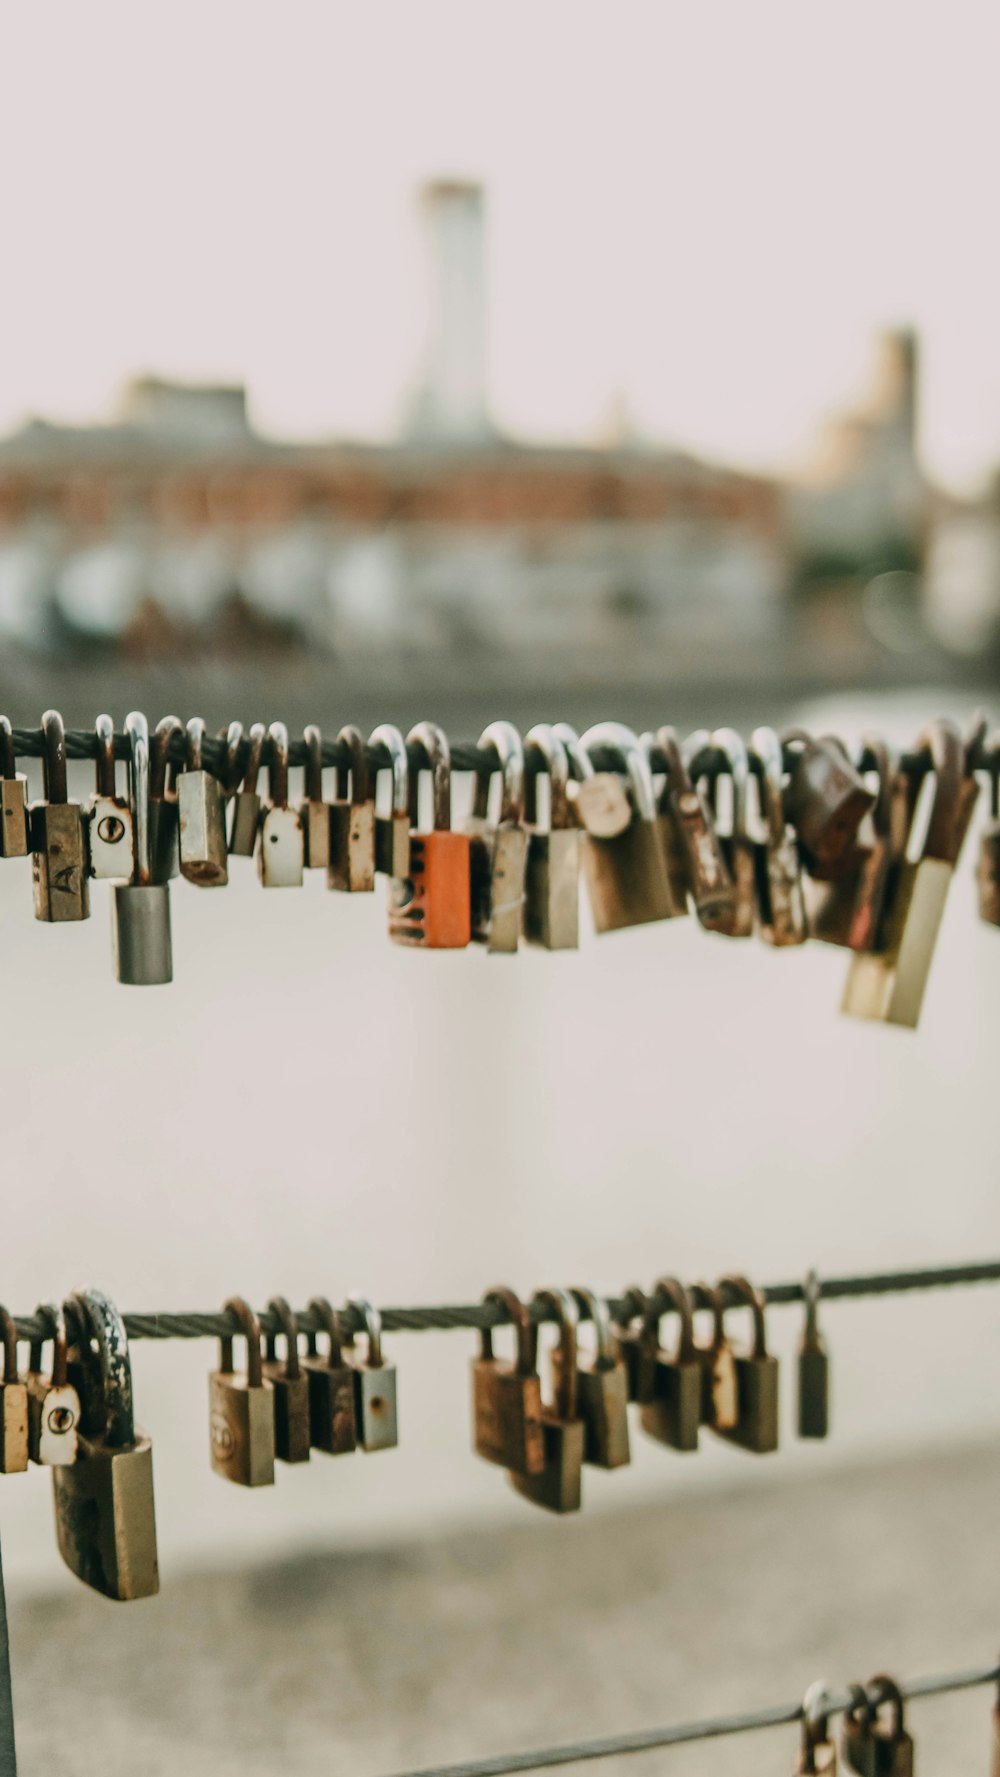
<point x="109" y="818"/>
<point x="202" y="816"/>
<point x="244" y="827"/>
<point x="392" y="831"/>
<point x="374" y="1386"/>
<point x="626" y="874"/>
<point x="552" y="875"/>
<point x="58" y="837"/>
<point x="140" y="909"/>
<point x="352" y="821"/>
<point x="280" y="859"/>
<point x="314" y="812"/>
<point x="14" y="841"/>
<point x="164" y="823"/>
<point x="498" y="849"/>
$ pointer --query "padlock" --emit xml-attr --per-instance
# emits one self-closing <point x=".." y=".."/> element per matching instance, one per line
<point x="431" y="908"/>
<point x="241" y="1408"/>
<point x="817" y="1752"/>
<point x="781" y="914"/>
<point x="105" y="1515"/>
<point x="352" y="820"/>
<point x="848" y="909"/>
<point x="688" y="836"/>
<point x="332" y="1418"/>
<point x="814" y="1368"/>
<point x="14" y="836"/>
<point x="756" y="1427"/>
<point x="201" y="813"/>
<point x="628" y="1336"/>
<point x="374" y="1386"/>
<point x="108" y="815"/>
<point x="58" y="837"/>
<point x="732" y="766"/>
<point x="552" y="871"/>
<point x="719" y="1403"/>
<point x="244" y="824"/>
<point x="13" y="1404"/>
<point x="825" y="801"/>
<point x="626" y="876"/>
<point x="557" y="1487"/>
<point x="314" y="813"/>
<point x="670" y="1386"/>
<point x="53" y="1401"/>
<point x="392" y="830"/>
<point x="164" y="820"/>
<point x="289" y="1387"/>
<point x="280" y="858"/>
<point x="601" y="1390"/>
<point x="857" y="1740"/>
<point x="498" y="849"/>
<point x="507" y="1397"/>
<point x="888" y="984"/>
<point x="598" y="799"/>
<point x="140" y="908"/>
<point x="988" y="867"/>
<point x="893" y="1745"/>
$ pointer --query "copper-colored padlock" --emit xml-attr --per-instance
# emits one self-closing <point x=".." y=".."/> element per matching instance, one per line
<point x="431" y="908"/>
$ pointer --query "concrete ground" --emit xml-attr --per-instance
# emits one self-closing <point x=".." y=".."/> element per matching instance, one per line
<point x="480" y="1641"/>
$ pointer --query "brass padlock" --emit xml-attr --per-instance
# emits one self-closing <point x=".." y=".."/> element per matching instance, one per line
<point x="688" y="835"/>
<point x="598" y="799"/>
<point x="14" y="835"/>
<point x="848" y="909"/>
<point x="552" y="872"/>
<point x="244" y="823"/>
<point x="507" y="1397"/>
<point x="988" y="867"/>
<point x="58" y="837"/>
<point x="888" y="984"/>
<point x="628" y="1336"/>
<point x="164" y="821"/>
<point x="109" y="817"/>
<point x="670" y="1386"/>
<point x="557" y="1487"/>
<point x="352" y="820"/>
<point x="392" y="830"/>
<point x="756" y="1427"/>
<point x="781" y="914"/>
<point x="105" y="1515"/>
<point x="140" y="908"/>
<point x="374" y="1386"/>
<point x="626" y="875"/>
<point x="814" y="1369"/>
<point x="893" y="1745"/>
<point x="201" y="813"/>
<point x="241" y="1408"/>
<point x="825" y="800"/>
<point x="719" y="1400"/>
<point x="817" y="1752"/>
<point x="314" y="813"/>
<point x="601" y="1390"/>
<point x="53" y="1401"/>
<point x="280" y="858"/>
<point x="731" y="825"/>
<point x="289" y="1387"/>
<point x="498" y="848"/>
<point x="332" y="1417"/>
<point x="857" y="1740"/>
<point x="432" y="907"/>
<point x="13" y="1404"/>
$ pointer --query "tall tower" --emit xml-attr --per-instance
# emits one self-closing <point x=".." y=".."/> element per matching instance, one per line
<point x="451" y="404"/>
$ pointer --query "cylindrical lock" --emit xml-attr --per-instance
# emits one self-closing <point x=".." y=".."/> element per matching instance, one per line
<point x="141" y="908"/>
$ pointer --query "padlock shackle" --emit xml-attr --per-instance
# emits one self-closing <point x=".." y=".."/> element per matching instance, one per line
<point x="312" y="771"/>
<point x="8" y="758"/>
<point x="524" y="1328"/>
<point x="8" y="1330"/>
<point x="636" y="1303"/>
<point x="430" y="743"/>
<point x="360" y="776"/>
<point x="289" y="1327"/>
<point x="730" y="743"/>
<point x="194" y="744"/>
<point x="765" y="748"/>
<point x="746" y="1296"/>
<point x="233" y="738"/>
<point x="678" y="775"/>
<point x="579" y="762"/>
<point x="670" y="1291"/>
<point x="277" y="769"/>
<point x="502" y="739"/>
<point x="100" y="1320"/>
<point x="373" y="1327"/>
<point x="329" y="1320"/>
<point x="164" y="733"/>
<point x="249" y="1326"/>
<point x="568" y="1315"/>
<point x="54" y="757"/>
<point x="618" y="738"/>
<point x="597" y="1308"/>
<point x="255" y="754"/>
<point x="815" y="1725"/>
<point x="884" y="1690"/>
<point x="704" y="1297"/>
<point x="137" y="729"/>
<point x="811" y="1293"/>
<point x="53" y="1313"/>
<point x="941" y="743"/>
<point x="543" y="742"/>
<point x="385" y="735"/>
<point x="104" y="729"/>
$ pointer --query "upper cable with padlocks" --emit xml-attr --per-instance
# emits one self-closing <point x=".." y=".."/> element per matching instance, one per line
<point x="786" y="838"/>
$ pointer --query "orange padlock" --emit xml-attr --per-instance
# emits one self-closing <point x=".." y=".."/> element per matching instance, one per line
<point x="432" y="906"/>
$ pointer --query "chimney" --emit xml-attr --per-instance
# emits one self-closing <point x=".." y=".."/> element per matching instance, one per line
<point x="451" y="402"/>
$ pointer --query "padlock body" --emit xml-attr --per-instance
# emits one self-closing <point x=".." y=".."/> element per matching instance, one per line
<point x="719" y="1397"/>
<point x="14" y="839"/>
<point x="602" y="805"/>
<point x="822" y="1761"/>
<point x="858" y="1747"/>
<point x="988" y="875"/>
<point x="814" y="1393"/>
<point x="244" y="824"/>
<point x="315" y="818"/>
<point x="781" y="913"/>
<point x="670" y="1401"/>
<point x="164" y="839"/>
<point x="602" y="1404"/>
<point x="629" y="1348"/>
<point x="291" y="1413"/>
<point x="825" y="800"/>
<point x="279" y="859"/>
<point x="141" y="938"/>
<point x="53" y="1421"/>
<point x="627" y="877"/>
<point x="558" y="1487"/>
<point x="392" y="844"/>
<point x="675" y="859"/>
<point x="738" y="919"/>
<point x="59" y="862"/>
<point x="552" y="889"/>
<point x="352" y="847"/>
<point x="830" y="907"/>
<point x="105" y="1518"/>
<point x="507" y="1416"/>
<point x="893" y="1753"/>
<point x="241" y="1429"/>
<point x="889" y="985"/>
<point x="431" y="907"/>
<point x="332" y="1419"/>
<point x="705" y="870"/>
<point x="109" y="838"/>
<point x="497" y="860"/>
<point x="375" y="1407"/>
<point x="13" y="1428"/>
<point x="756" y="1428"/>
<point x="201" y="813"/>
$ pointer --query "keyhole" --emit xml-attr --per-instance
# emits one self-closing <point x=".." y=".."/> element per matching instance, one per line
<point x="111" y="829"/>
<point x="61" y="1419"/>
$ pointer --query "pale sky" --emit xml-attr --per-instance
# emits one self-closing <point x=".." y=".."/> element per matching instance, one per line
<point x="708" y="208"/>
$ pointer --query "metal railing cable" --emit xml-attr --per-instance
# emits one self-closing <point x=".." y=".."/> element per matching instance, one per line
<point x="650" y="1739"/>
<point x="477" y="1316"/>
